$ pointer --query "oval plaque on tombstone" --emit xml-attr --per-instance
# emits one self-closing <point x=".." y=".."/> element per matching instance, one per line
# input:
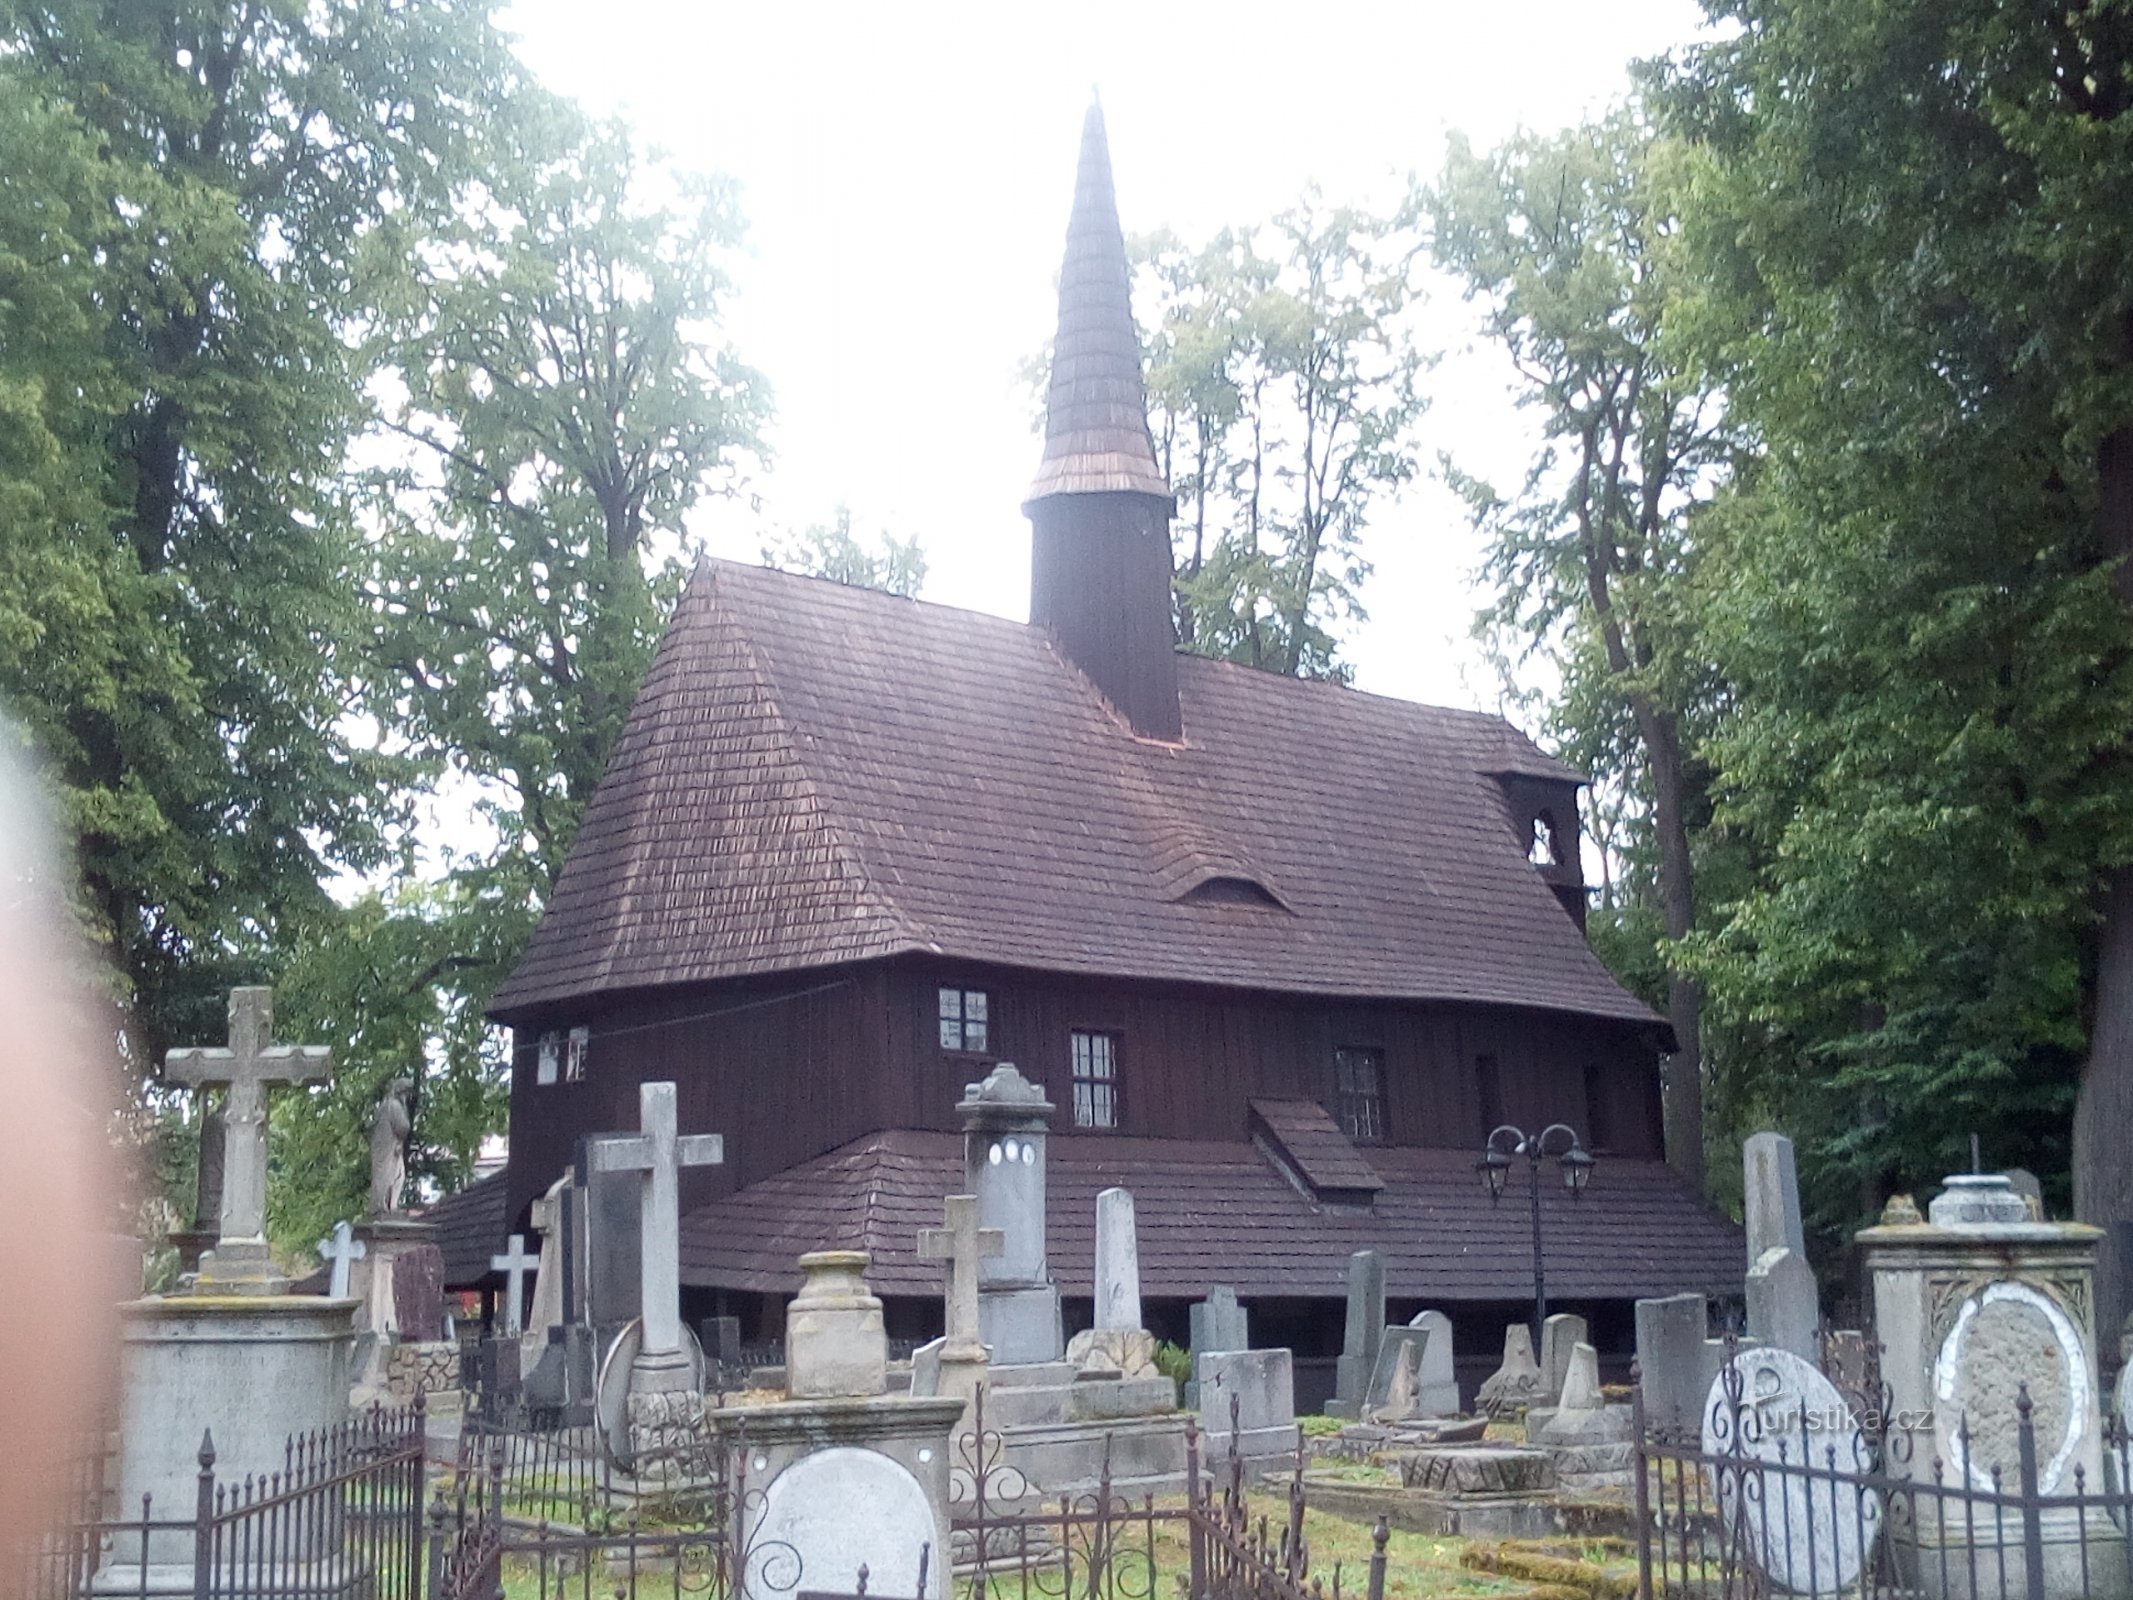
<point x="1786" y="1446"/>
<point x="844" y="1509"/>
<point x="2005" y="1335"/>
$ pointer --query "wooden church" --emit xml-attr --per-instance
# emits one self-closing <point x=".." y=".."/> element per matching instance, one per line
<point x="1282" y="953"/>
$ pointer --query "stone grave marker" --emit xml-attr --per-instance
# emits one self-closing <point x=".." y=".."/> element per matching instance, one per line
<point x="241" y="1261"/>
<point x="1559" y="1335"/>
<point x="962" y="1245"/>
<point x="1439" y="1376"/>
<point x="721" y="1338"/>
<point x="418" y="1294"/>
<point x="835" y="1346"/>
<point x="1771" y="1196"/>
<point x="1395" y="1392"/>
<point x="341" y="1251"/>
<point x="514" y="1264"/>
<point x="1516" y="1383"/>
<point x="2004" y="1335"/>
<point x="1118" y="1262"/>
<point x="1808" y="1535"/>
<point x="1784" y="1303"/>
<point x="1219" y="1323"/>
<point x="1673" y="1373"/>
<point x="1263" y="1383"/>
<point x="843" y="1509"/>
<point x="1366" y="1322"/>
<point x="1006" y="1122"/>
<point x="547" y="1309"/>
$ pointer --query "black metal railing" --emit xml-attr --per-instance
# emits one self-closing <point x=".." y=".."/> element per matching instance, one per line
<point x="1770" y="1497"/>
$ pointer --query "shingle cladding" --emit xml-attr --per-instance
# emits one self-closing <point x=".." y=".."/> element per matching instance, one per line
<point x="816" y="774"/>
<point x="1217" y="1212"/>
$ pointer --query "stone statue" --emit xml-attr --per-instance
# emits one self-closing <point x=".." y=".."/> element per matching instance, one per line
<point x="388" y="1149"/>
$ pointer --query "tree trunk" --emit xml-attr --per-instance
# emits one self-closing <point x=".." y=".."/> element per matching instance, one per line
<point x="2103" y="1111"/>
<point x="1682" y="1107"/>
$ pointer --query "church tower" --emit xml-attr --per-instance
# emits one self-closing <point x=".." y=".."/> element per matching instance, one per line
<point x="1100" y="509"/>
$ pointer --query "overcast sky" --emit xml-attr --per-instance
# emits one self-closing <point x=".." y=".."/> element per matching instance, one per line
<point x="905" y="172"/>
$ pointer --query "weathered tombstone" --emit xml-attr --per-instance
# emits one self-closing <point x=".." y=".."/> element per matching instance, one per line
<point x="1771" y="1196"/>
<point x="546" y="1309"/>
<point x="834" y="1343"/>
<point x="2026" y="1184"/>
<point x="1809" y="1535"/>
<point x="1560" y="1334"/>
<point x="1581" y="1382"/>
<point x="1395" y="1392"/>
<point x="926" y="1369"/>
<point x="1439" y="1396"/>
<point x="514" y="1264"/>
<point x="207" y="1196"/>
<point x="1218" y="1322"/>
<point x="1516" y="1383"/>
<point x="663" y="1370"/>
<point x="960" y="1361"/>
<point x="1006" y="1120"/>
<point x="418" y="1294"/>
<point x="1359" y="1347"/>
<point x="722" y="1341"/>
<point x="1672" y="1378"/>
<point x="612" y="1219"/>
<point x="241" y="1261"/>
<point x="1784" y="1304"/>
<point x="340" y="1251"/>
<point x="1263" y="1383"/>
<point x="1118" y="1262"/>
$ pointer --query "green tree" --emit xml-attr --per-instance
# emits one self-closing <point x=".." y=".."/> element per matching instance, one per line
<point x="564" y="404"/>
<point x="832" y="550"/>
<point x="1562" y="241"/>
<point x="187" y="227"/>
<point x="1911" y="222"/>
<point x="1284" y="390"/>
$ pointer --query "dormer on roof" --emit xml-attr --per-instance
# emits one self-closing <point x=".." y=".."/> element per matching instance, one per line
<point x="1100" y="509"/>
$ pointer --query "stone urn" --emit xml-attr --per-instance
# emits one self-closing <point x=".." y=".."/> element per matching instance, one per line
<point x="835" y="1346"/>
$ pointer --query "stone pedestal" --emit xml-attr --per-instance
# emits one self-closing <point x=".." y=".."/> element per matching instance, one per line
<point x="1968" y="1307"/>
<point x="248" y="1370"/>
<point x="399" y="1280"/>
<point x="835" y="1345"/>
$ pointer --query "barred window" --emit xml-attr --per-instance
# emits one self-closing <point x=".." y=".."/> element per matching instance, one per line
<point x="1359" y="1082"/>
<point x="548" y="1054"/>
<point x="1095" y="1080"/>
<point x="574" y="1056"/>
<point x="965" y="1020"/>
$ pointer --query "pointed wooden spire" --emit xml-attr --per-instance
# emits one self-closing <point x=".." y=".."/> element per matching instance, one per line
<point x="1096" y="437"/>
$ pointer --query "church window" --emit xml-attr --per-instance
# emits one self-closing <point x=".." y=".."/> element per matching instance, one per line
<point x="1095" y="1080"/>
<point x="1359" y="1082"/>
<point x="966" y="1020"/>
<point x="574" y="1056"/>
<point x="548" y="1053"/>
<point x="1546" y="850"/>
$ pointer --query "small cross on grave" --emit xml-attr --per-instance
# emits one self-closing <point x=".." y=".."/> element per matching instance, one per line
<point x="514" y="1264"/>
<point x="962" y="1244"/>
<point x="340" y="1250"/>
<point x="241" y="1263"/>
<point x="659" y="1154"/>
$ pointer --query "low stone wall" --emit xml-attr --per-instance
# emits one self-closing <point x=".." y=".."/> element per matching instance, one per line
<point x="428" y="1368"/>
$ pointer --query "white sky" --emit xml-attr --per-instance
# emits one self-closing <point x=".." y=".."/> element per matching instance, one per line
<point x="905" y="172"/>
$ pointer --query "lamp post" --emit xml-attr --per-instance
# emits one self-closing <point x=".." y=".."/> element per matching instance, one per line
<point x="1495" y="1168"/>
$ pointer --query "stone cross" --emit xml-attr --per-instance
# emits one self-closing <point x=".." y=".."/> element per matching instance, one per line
<point x="962" y="1244"/>
<point x="658" y="1153"/>
<point x="247" y="1068"/>
<point x="343" y="1248"/>
<point x="514" y="1264"/>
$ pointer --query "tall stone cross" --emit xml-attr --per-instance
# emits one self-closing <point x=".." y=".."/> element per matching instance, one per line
<point x="962" y="1244"/>
<point x="247" y="1068"/>
<point x="514" y="1264"/>
<point x="340" y="1250"/>
<point x="659" y="1154"/>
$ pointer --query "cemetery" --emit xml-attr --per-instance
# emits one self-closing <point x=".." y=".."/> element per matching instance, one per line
<point x="785" y="1089"/>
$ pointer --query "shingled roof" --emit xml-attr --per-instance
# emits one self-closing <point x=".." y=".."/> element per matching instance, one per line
<point x="1209" y="1212"/>
<point x="1096" y="409"/>
<point x="816" y="774"/>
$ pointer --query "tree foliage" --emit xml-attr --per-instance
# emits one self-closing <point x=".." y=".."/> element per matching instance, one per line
<point x="833" y="550"/>
<point x="1284" y="387"/>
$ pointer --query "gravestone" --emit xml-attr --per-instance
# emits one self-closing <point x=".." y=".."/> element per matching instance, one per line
<point x="547" y="1310"/>
<point x="2026" y="1184"/>
<point x="1365" y="1324"/>
<point x="1516" y="1383"/>
<point x="722" y="1341"/>
<point x="1808" y="1535"/>
<point x="1439" y="1395"/>
<point x="1784" y="1304"/>
<point x="1218" y="1322"/>
<point x="1771" y="1196"/>
<point x="418" y="1294"/>
<point x="844" y="1509"/>
<point x="960" y="1362"/>
<point x="835" y="1346"/>
<point x="246" y="1070"/>
<point x="207" y="1196"/>
<point x="1006" y="1120"/>
<point x="1118" y="1262"/>
<point x="1674" y="1370"/>
<point x="1263" y="1383"/>
<point x="340" y="1251"/>
<point x="1560" y="1334"/>
<point x="514" y="1264"/>
<point x="1395" y="1391"/>
<point x="612" y="1211"/>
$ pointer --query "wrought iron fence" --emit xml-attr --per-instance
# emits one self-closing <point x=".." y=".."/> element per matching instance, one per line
<point x="1769" y="1496"/>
